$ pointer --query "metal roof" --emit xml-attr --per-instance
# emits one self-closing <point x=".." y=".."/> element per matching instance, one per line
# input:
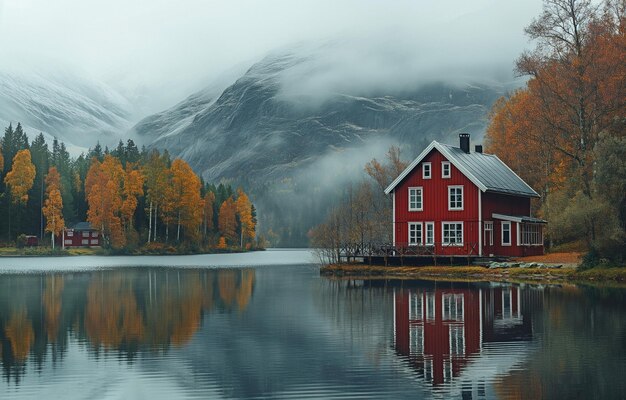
<point x="519" y="218"/>
<point x="83" y="226"/>
<point x="486" y="171"/>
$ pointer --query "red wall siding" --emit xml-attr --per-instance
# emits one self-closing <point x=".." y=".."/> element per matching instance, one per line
<point x="507" y="205"/>
<point x="435" y="206"/>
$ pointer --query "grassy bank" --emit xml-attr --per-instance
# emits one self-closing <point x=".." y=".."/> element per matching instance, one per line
<point x="477" y="273"/>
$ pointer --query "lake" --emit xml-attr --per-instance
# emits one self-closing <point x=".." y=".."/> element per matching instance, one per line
<point x="266" y="325"/>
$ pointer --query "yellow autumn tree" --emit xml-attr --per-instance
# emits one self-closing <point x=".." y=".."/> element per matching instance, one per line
<point x="53" y="205"/>
<point x="227" y="220"/>
<point x="21" y="177"/>
<point x="156" y="174"/>
<point x="132" y="189"/>
<point x="103" y="190"/>
<point x="244" y="212"/>
<point x="184" y="197"/>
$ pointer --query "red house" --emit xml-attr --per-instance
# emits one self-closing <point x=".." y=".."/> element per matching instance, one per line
<point x="453" y="201"/>
<point x="442" y="330"/>
<point x="81" y="235"/>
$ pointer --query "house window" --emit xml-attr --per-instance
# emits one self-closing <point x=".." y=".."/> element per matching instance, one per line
<point x="445" y="169"/>
<point x="457" y="340"/>
<point x="426" y="170"/>
<point x="506" y="233"/>
<point x="452" y="307"/>
<point x="69" y="233"/>
<point x="455" y="197"/>
<point x="85" y="242"/>
<point x="417" y="339"/>
<point x="428" y="370"/>
<point x="531" y="234"/>
<point x="452" y="233"/>
<point x="94" y="234"/>
<point x="489" y="233"/>
<point x="430" y="306"/>
<point x="415" y="233"/>
<point x="415" y="199"/>
<point x="85" y="234"/>
<point x="416" y="311"/>
<point x="68" y="242"/>
<point x="430" y="234"/>
<point x="94" y="241"/>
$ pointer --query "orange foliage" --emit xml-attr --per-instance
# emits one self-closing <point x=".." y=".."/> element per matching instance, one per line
<point x="132" y="189"/>
<point x="103" y="189"/>
<point x="184" y="197"/>
<point x="112" y="316"/>
<point x="53" y="205"/>
<point x="21" y="177"/>
<point x="227" y="221"/>
<point x="244" y="212"/>
<point x="51" y="301"/>
<point x="19" y="331"/>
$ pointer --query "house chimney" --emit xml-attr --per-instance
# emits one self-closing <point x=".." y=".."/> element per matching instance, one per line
<point x="478" y="148"/>
<point x="464" y="139"/>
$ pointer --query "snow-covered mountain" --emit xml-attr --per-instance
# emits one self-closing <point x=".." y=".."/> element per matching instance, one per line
<point x="76" y="110"/>
<point x="277" y="131"/>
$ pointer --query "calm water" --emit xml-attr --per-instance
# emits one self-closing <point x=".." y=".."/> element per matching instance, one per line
<point x="283" y="332"/>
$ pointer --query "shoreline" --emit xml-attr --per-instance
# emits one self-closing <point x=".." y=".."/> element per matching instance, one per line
<point x="476" y="274"/>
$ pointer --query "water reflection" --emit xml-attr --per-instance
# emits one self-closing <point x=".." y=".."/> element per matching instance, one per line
<point x="123" y="311"/>
<point x="442" y="329"/>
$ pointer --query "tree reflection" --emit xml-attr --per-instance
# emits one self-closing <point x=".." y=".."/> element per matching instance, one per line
<point x="125" y="311"/>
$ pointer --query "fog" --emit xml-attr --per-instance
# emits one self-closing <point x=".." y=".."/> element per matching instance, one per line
<point x="156" y="52"/>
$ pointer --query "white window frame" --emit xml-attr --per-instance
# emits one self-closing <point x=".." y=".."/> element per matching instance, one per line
<point x="416" y="306"/>
<point x="429" y="241"/>
<point x="416" y="333"/>
<point x="443" y="229"/>
<point x="453" y="307"/>
<point x="419" y="191"/>
<point x="426" y="175"/>
<point x="445" y="164"/>
<point x="531" y="234"/>
<point x="69" y="233"/>
<point x="85" y="234"/>
<point x="502" y="242"/>
<point x="455" y="207"/>
<point x="429" y="307"/>
<point x="457" y="340"/>
<point x="489" y="228"/>
<point x="419" y="236"/>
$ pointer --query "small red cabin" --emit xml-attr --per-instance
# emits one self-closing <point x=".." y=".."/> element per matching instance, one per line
<point x="81" y="235"/>
<point x="458" y="202"/>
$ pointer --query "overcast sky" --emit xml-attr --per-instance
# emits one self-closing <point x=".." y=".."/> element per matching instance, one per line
<point x="167" y="49"/>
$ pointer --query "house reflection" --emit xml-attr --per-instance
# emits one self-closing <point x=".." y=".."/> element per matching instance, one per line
<point x="442" y="330"/>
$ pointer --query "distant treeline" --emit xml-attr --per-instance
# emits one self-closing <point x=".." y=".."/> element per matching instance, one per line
<point x="132" y="196"/>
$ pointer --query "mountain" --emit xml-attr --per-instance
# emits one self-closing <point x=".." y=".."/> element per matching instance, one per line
<point x="293" y="145"/>
<point x="76" y="110"/>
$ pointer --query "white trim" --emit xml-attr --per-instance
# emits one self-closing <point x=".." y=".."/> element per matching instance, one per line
<point x="513" y="218"/>
<point x="430" y="170"/>
<point x="433" y="145"/>
<point x="502" y="233"/>
<point x="419" y="240"/>
<point x="443" y="175"/>
<point x="462" y="198"/>
<point x="480" y="224"/>
<point x="518" y="236"/>
<point x="460" y="244"/>
<point x="421" y="198"/>
<point x="393" y="222"/>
